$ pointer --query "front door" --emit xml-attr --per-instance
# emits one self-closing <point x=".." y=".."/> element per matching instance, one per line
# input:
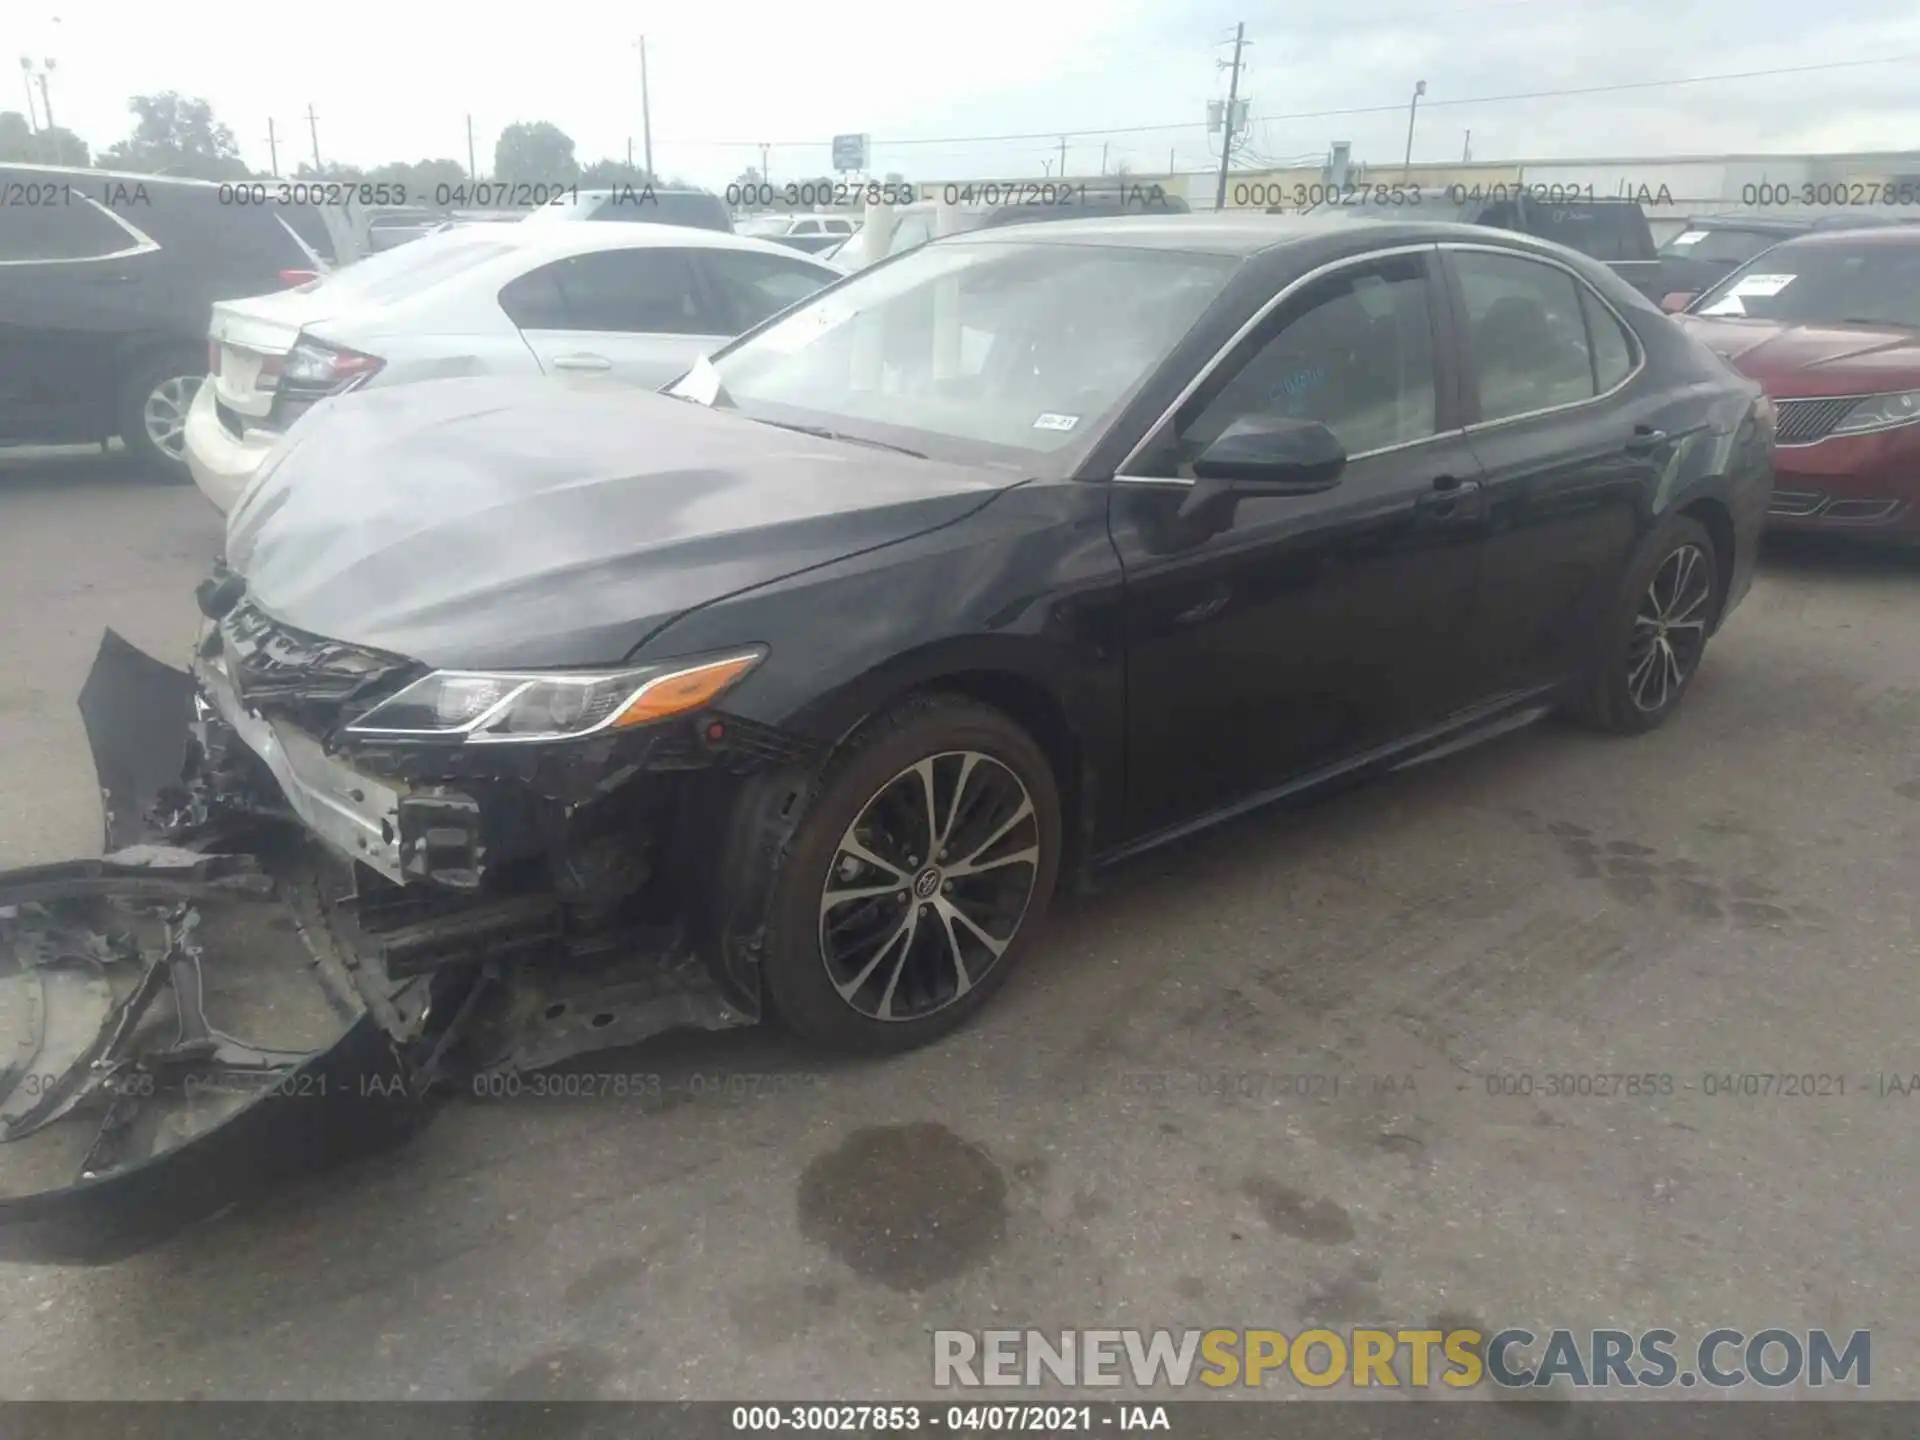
<point x="1311" y="628"/>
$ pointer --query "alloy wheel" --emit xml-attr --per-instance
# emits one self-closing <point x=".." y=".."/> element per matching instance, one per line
<point x="929" y="885"/>
<point x="165" y="414"/>
<point x="1669" y="629"/>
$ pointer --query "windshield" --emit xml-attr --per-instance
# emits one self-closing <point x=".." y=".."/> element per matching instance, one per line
<point x="396" y="274"/>
<point x="763" y="226"/>
<point x="1014" y="350"/>
<point x="1732" y="246"/>
<point x="1823" y="283"/>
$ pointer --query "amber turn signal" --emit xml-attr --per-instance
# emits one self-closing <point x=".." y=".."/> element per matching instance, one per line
<point x="683" y="690"/>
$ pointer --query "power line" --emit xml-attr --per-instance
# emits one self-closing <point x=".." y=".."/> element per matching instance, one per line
<point x="1394" y="108"/>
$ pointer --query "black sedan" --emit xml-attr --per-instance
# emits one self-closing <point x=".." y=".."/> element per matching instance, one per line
<point x="998" y="562"/>
<point x="531" y="719"/>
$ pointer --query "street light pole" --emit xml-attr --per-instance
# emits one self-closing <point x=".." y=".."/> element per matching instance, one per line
<point x="26" y="77"/>
<point x="1406" y="169"/>
<point x="646" y="116"/>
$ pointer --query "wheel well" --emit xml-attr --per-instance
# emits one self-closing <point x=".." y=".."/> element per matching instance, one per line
<point x="1038" y="713"/>
<point x="1713" y="517"/>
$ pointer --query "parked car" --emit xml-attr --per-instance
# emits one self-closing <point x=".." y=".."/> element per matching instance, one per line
<point x="914" y="225"/>
<point x="1613" y="231"/>
<point x="811" y="233"/>
<point x="1829" y="323"/>
<point x="1708" y="248"/>
<point x="642" y="205"/>
<point x="105" y="284"/>
<point x="960" y="578"/>
<point x="637" y="303"/>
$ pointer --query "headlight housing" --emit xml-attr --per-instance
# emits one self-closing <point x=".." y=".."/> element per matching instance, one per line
<point x="1880" y="412"/>
<point x="478" y="707"/>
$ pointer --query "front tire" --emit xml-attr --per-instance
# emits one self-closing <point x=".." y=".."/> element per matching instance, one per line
<point x="916" y="880"/>
<point x="1656" y="636"/>
<point x="154" y="400"/>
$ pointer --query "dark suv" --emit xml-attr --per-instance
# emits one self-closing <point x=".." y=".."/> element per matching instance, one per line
<point x="107" y="282"/>
<point x="1612" y="231"/>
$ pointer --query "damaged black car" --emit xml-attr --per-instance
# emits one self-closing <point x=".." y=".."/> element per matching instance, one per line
<point x="533" y="718"/>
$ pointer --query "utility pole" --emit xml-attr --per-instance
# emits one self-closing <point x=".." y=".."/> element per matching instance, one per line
<point x="473" y="170"/>
<point x="1466" y="148"/>
<point x="1413" y="110"/>
<point x="46" y="100"/>
<point x="646" y="118"/>
<point x="1103" y="156"/>
<point x="273" y="149"/>
<point x="1063" y="157"/>
<point x="33" y="112"/>
<point x="313" y="129"/>
<point x="766" y="165"/>
<point x="1233" y="106"/>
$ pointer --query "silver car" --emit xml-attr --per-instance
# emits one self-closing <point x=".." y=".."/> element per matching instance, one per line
<point x="636" y="303"/>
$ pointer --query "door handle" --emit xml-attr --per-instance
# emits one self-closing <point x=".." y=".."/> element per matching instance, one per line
<point x="582" y="362"/>
<point x="1451" y="499"/>
<point x="1645" y="440"/>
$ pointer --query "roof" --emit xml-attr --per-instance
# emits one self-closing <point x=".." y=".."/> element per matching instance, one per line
<point x="588" y="238"/>
<point x="1231" y="233"/>
<point x="1888" y="235"/>
<point x="83" y="172"/>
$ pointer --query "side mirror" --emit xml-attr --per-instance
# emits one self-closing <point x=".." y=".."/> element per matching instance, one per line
<point x="1679" y="300"/>
<point x="1265" y="455"/>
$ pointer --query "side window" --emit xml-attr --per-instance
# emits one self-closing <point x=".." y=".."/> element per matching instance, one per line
<point x="67" y="230"/>
<point x="1612" y="346"/>
<point x="1355" y="352"/>
<point x="837" y="227"/>
<point x="642" y="290"/>
<point x="753" y="287"/>
<point x="805" y="227"/>
<point x="1525" y="334"/>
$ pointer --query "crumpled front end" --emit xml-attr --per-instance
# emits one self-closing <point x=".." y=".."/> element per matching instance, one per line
<point x="292" y="940"/>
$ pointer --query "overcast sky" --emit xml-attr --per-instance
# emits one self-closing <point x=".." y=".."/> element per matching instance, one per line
<point x="397" y="79"/>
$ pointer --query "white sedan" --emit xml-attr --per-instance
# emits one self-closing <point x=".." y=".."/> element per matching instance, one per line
<point x="637" y="303"/>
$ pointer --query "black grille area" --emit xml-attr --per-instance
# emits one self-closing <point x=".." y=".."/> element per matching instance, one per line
<point x="316" y="682"/>
<point x="1802" y="422"/>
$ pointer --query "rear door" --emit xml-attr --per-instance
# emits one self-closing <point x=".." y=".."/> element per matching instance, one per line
<point x="642" y="314"/>
<point x="75" y="287"/>
<point x="1570" y="449"/>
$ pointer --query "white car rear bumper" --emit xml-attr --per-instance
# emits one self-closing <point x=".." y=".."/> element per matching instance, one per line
<point x="222" y="466"/>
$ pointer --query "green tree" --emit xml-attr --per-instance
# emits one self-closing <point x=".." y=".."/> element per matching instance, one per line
<point x="422" y="180"/>
<point x="535" y="152"/>
<point x="176" y="135"/>
<point x="332" y="170"/>
<point x="608" y="173"/>
<point x="58" y="146"/>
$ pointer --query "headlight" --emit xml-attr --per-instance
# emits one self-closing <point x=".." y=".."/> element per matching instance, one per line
<point x="1881" y="412"/>
<point x="479" y="707"/>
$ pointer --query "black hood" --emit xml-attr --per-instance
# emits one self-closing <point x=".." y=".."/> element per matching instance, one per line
<point x="488" y="522"/>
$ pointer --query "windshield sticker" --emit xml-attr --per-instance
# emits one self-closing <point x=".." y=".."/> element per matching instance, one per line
<point x="1051" y="421"/>
<point x="1692" y="237"/>
<point x="1731" y="303"/>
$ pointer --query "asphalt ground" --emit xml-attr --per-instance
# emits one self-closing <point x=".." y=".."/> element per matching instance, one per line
<point x="1259" y="1081"/>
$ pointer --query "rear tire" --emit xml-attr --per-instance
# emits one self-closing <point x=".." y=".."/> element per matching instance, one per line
<point x="1656" y="636"/>
<point x="920" y="935"/>
<point x="152" y="411"/>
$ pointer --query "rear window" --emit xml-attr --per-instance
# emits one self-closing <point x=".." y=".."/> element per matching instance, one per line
<point x="665" y="207"/>
<point x="392" y="275"/>
<point x="1605" y="232"/>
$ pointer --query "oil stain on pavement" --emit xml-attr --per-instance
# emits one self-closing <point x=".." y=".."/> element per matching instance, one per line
<point x="1292" y="1213"/>
<point x="906" y="1205"/>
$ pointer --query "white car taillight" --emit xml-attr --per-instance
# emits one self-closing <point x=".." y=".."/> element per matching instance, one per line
<point x="311" y="368"/>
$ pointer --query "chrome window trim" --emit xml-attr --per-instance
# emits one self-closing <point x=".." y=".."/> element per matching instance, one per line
<point x="1633" y="338"/>
<point x="143" y="243"/>
<point x="1253" y="322"/>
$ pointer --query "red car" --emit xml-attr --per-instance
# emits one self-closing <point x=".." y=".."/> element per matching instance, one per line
<point x="1829" y="323"/>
